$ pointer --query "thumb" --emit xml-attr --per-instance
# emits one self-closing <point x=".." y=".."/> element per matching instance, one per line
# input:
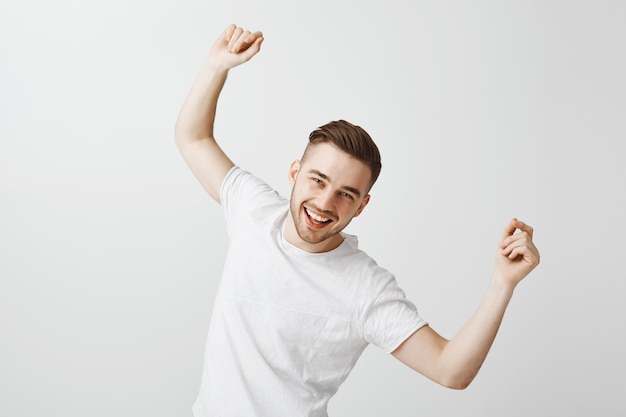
<point x="509" y="229"/>
<point x="253" y="49"/>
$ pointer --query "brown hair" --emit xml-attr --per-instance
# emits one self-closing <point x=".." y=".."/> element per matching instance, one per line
<point x="353" y="140"/>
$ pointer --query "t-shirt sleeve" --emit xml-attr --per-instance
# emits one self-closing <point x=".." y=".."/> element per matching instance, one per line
<point x="391" y="319"/>
<point x="239" y="189"/>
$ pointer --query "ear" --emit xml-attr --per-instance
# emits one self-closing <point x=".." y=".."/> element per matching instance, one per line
<point x="294" y="168"/>
<point x="362" y="206"/>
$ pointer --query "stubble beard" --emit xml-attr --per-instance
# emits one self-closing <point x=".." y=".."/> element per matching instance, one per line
<point x="306" y="234"/>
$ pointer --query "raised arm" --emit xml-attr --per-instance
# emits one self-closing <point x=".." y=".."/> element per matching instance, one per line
<point x="454" y="363"/>
<point x="194" y="127"/>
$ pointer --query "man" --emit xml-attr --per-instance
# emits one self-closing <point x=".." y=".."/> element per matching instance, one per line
<point x="298" y="301"/>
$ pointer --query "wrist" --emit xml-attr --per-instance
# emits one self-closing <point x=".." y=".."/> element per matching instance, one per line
<point x="215" y="67"/>
<point x="502" y="286"/>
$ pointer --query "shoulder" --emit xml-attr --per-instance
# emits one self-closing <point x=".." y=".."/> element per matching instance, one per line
<point x="239" y="181"/>
<point x="358" y="266"/>
<point x="245" y="196"/>
<point x="240" y="187"/>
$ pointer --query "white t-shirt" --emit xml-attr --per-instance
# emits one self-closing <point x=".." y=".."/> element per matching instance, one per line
<point x="288" y="326"/>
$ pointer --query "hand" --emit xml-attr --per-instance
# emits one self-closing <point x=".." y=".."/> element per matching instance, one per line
<point x="234" y="47"/>
<point x="517" y="255"/>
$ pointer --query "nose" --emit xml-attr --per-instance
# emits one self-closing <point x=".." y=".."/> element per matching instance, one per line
<point x="325" y="200"/>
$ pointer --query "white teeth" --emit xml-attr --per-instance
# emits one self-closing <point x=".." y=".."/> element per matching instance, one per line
<point x="316" y="217"/>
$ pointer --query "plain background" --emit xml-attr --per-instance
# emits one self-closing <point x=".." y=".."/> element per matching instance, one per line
<point x="110" y="251"/>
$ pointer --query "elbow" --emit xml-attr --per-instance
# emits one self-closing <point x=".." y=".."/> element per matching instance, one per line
<point x="185" y="136"/>
<point x="183" y="133"/>
<point x="458" y="385"/>
<point x="182" y="139"/>
<point x="458" y="381"/>
<point x="178" y="135"/>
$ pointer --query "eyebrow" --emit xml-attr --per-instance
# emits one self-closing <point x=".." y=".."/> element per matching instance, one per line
<point x="344" y="187"/>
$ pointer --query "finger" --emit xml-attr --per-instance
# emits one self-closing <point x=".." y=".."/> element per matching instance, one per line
<point x="521" y="246"/>
<point x="234" y="38"/>
<point x="250" y="37"/>
<point x="255" y="39"/>
<point x="245" y="41"/>
<point x="528" y="254"/>
<point x="241" y="44"/>
<point x="521" y="236"/>
<point x="524" y="227"/>
<point x="508" y="230"/>
<point x="254" y="48"/>
<point x="242" y="39"/>
<point x="513" y="250"/>
<point x="514" y="225"/>
<point x="228" y="33"/>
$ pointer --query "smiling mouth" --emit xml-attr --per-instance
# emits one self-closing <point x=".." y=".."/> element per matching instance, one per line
<point x="315" y="218"/>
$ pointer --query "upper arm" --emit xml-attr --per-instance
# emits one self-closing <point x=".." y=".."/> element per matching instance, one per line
<point x="207" y="162"/>
<point x="422" y="352"/>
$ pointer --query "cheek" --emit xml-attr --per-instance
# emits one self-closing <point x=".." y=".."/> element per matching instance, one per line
<point x="300" y="191"/>
<point x="306" y="188"/>
<point x="347" y="209"/>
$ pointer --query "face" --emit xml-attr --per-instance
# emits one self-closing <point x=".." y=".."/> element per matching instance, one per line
<point x="329" y="189"/>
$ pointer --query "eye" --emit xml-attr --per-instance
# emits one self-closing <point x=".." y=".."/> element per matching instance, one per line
<point x="317" y="180"/>
<point x="346" y="195"/>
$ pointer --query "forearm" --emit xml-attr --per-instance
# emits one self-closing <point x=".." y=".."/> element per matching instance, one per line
<point x="194" y="130"/>
<point x="197" y="116"/>
<point x="516" y="257"/>
<point x="465" y="353"/>
<point x="194" y="127"/>
<point x="454" y="363"/>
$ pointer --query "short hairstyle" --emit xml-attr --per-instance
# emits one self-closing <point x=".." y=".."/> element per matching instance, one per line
<point x="353" y="140"/>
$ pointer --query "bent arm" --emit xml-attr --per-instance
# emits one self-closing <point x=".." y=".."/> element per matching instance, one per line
<point x="194" y="126"/>
<point x="454" y="363"/>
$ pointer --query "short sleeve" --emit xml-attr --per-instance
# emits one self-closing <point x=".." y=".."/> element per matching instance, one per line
<point x="391" y="319"/>
<point x="239" y="189"/>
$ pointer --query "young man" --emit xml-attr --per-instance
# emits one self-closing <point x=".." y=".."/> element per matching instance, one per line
<point x="298" y="301"/>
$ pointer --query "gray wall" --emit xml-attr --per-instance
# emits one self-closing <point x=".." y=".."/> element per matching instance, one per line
<point x="110" y="251"/>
